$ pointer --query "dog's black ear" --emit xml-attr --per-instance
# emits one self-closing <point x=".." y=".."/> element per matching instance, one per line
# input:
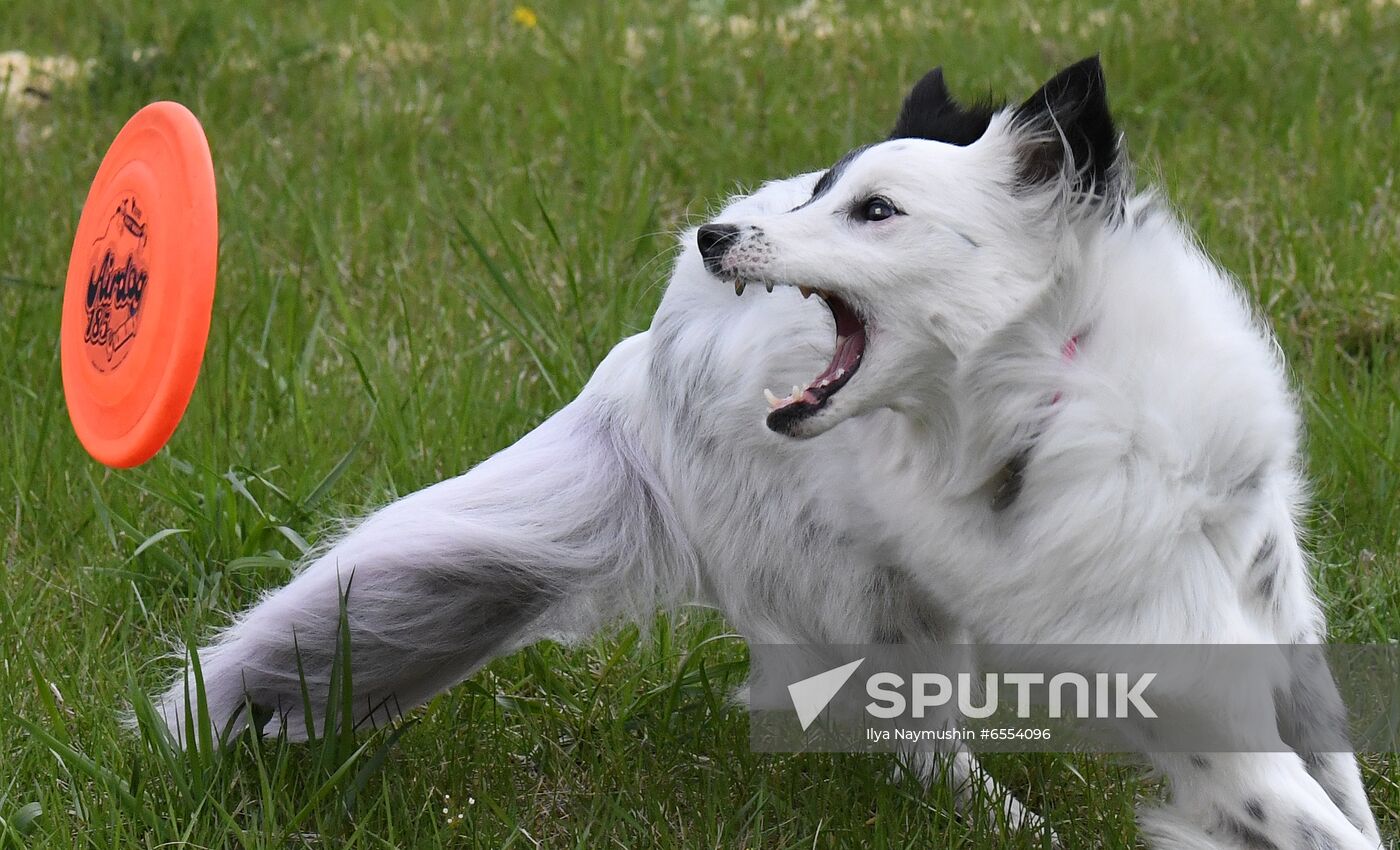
<point x="1068" y="129"/>
<point x="931" y="113"/>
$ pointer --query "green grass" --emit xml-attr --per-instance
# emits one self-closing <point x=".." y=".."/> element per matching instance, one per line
<point x="363" y="347"/>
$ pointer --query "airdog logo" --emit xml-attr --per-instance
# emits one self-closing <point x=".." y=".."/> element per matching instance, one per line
<point x="116" y="287"/>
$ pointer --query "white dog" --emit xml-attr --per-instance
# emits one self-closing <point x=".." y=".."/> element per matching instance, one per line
<point x="1064" y="426"/>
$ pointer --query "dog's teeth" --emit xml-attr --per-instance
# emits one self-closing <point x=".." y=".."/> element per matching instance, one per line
<point x="739" y="287"/>
<point x="796" y="392"/>
<point x="806" y="291"/>
<point x="768" y="286"/>
<point x="773" y="401"/>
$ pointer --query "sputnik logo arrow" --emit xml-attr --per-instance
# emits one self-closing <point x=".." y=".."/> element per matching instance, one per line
<point x="813" y="694"/>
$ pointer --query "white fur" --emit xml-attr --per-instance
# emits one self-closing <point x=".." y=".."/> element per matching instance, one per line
<point x="1154" y="478"/>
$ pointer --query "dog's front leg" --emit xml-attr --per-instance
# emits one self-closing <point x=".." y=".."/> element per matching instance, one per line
<point x="1312" y="710"/>
<point x="1263" y="795"/>
<point x="1246" y="801"/>
<point x="1311" y="714"/>
<point x="552" y="537"/>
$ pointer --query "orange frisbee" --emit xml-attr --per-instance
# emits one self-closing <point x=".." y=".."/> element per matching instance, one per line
<point x="140" y="287"/>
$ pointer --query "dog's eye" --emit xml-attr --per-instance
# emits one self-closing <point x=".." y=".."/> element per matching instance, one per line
<point x="877" y="209"/>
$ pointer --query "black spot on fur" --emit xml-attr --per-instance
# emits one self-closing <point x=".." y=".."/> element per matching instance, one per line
<point x="1007" y="483"/>
<point x="1254" y="808"/>
<point x="827" y="180"/>
<point x="1265" y="588"/>
<point x="1265" y="567"/>
<point x="930" y="112"/>
<point x="1248" y="836"/>
<point x="1266" y="551"/>
<point x="1070" y="127"/>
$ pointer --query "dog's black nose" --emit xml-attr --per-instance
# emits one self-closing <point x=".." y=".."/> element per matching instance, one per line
<point x="714" y="240"/>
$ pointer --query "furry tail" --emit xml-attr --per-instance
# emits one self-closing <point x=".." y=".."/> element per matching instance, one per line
<point x="553" y="537"/>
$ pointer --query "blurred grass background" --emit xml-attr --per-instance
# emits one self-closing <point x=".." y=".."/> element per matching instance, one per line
<point x="363" y="347"/>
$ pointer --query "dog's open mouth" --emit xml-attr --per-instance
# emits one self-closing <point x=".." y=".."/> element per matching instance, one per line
<point x="784" y="412"/>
